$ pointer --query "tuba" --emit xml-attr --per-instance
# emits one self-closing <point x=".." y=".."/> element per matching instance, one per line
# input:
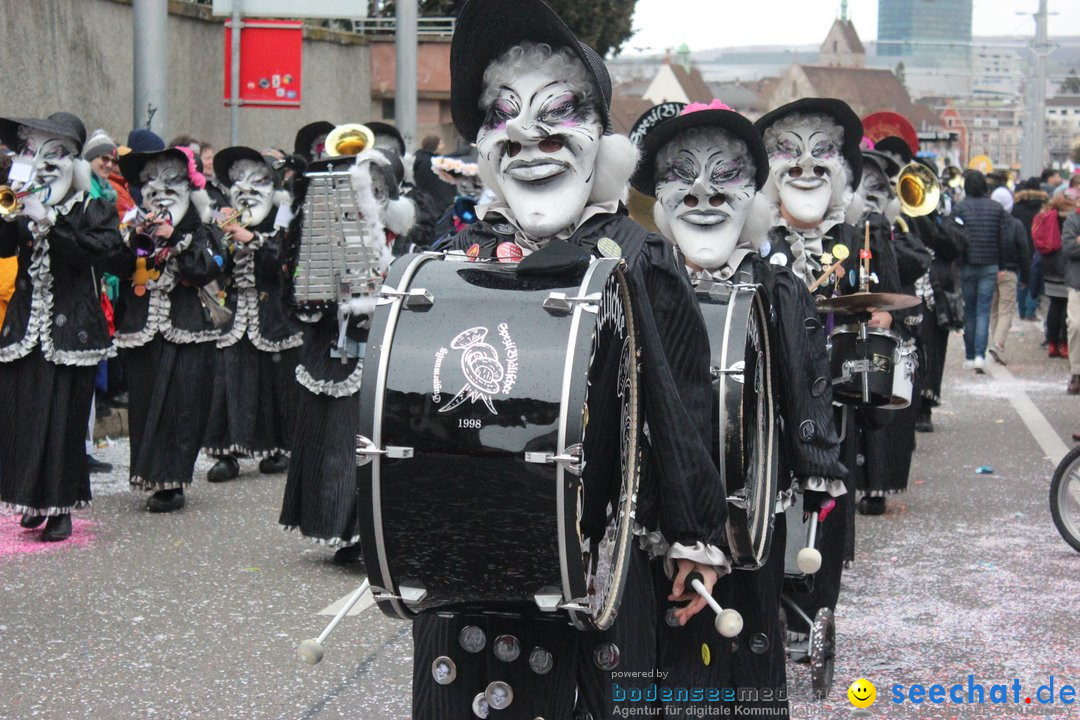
<point x="349" y="139"/>
<point x="918" y="189"/>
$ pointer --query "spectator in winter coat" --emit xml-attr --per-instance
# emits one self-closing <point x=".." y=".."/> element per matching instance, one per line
<point x="1029" y="200"/>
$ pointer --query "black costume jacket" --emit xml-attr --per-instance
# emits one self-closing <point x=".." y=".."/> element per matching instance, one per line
<point x="258" y="274"/>
<point x="57" y="300"/>
<point x="171" y="304"/>
<point x="681" y="493"/>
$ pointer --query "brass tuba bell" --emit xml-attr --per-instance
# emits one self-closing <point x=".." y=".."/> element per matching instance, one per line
<point x="918" y="189"/>
<point x="349" y="139"/>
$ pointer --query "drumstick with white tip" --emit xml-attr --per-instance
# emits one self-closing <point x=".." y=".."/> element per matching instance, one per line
<point x="311" y="650"/>
<point x="809" y="558"/>
<point x="728" y="623"/>
<point x="833" y="269"/>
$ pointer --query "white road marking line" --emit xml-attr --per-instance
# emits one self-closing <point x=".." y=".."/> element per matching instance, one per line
<point x="1036" y="422"/>
<point x="366" y="601"/>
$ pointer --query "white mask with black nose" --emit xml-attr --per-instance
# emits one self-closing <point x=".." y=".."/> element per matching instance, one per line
<point x="251" y="191"/>
<point x="539" y="142"/>
<point x="53" y="158"/>
<point x="705" y="188"/>
<point x="806" y="164"/>
<point x="166" y="189"/>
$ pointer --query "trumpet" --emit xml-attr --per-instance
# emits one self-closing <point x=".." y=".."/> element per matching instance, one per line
<point x="919" y="190"/>
<point x="144" y="242"/>
<point x="349" y="139"/>
<point x="9" y="198"/>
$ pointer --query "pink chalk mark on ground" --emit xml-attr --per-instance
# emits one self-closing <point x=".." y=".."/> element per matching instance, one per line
<point x="17" y="540"/>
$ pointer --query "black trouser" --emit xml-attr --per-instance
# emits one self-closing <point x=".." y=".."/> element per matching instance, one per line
<point x="1055" y="320"/>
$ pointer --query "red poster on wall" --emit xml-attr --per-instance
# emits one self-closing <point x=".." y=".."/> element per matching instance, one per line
<point x="270" y="55"/>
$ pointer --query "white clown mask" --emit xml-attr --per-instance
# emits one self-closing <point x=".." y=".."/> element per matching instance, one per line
<point x="166" y="188"/>
<point x="54" y="159"/>
<point x="704" y="189"/>
<point x="806" y="165"/>
<point x="540" y="138"/>
<point x="875" y="189"/>
<point x="251" y="191"/>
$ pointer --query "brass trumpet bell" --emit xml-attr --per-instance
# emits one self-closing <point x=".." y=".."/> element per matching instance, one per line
<point x="953" y="176"/>
<point x="9" y="201"/>
<point x="349" y="139"/>
<point x="918" y="189"/>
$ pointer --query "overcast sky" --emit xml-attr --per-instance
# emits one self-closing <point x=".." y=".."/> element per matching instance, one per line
<point x="704" y="24"/>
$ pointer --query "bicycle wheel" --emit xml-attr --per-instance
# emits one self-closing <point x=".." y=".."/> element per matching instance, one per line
<point x="1065" y="498"/>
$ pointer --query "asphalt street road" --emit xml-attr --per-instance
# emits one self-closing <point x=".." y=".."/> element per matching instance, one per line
<point x="198" y="614"/>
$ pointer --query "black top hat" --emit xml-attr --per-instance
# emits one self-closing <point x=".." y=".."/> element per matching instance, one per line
<point x="307" y="134"/>
<point x="381" y="128"/>
<point x="839" y="111"/>
<point x="225" y="159"/>
<point x="885" y="163"/>
<point x="658" y="135"/>
<point x="60" y="123"/>
<point x="488" y="28"/>
<point x="896" y="146"/>
<point x="131" y="165"/>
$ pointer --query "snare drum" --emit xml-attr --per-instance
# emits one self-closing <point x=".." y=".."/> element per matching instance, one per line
<point x="852" y="359"/>
<point x="744" y="415"/>
<point x="500" y="440"/>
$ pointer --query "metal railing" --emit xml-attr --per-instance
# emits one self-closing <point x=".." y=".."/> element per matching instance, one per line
<point x="430" y="27"/>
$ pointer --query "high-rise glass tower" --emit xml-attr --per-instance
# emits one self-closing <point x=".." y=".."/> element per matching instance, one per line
<point x="935" y="33"/>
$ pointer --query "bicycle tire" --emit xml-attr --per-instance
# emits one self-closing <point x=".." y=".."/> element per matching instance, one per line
<point x="1067" y="526"/>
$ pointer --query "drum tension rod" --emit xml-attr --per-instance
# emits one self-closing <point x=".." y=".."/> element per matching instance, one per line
<point x="415" y="299"/>
<point x="557" y="303"/>
<point x="571" y="458"/>
<point x="366" y="450"/>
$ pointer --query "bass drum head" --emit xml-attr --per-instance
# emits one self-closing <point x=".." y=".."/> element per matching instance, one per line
<point x="751" y="443"/>
<point x="611" y="438"/>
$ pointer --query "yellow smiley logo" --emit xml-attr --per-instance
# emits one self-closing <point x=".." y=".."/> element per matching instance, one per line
<point x="862" y="693"/>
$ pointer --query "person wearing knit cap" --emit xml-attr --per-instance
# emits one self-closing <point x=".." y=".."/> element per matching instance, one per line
<point x="54" y="333"/>
<point x="704" y="164"/>
<point x="537" y="103"/>
<point x="254" y="398"/>
<point x="171" y="323"/>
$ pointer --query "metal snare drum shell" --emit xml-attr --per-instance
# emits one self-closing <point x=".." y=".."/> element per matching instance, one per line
<point x="849" y="357"/>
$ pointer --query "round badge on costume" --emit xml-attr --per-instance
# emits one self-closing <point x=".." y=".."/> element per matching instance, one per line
<point x="443" y="670"/>
<point x="472" y="639"/>
<point x="670" y="619"/>
<point x="473" y="251"/>
<point x="827" y="259"/>
<point x="841" y="252"/>
<point x="541" y="661"/>
<point x="508" y="252"/>
<point x="609" y="248"/>
<point x="507" y="648"/>
<point x="606" y="656"/>
<point x="706" y="655"/>
<point x="765" y="249"/>
<point x="480" y="706"/>
<point x="778" y="259"/>
<point x="499" y="695"/>
<point x="503" y="228"/>
<point x="759" y="643"/>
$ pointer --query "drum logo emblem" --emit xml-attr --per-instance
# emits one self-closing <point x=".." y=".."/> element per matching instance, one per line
<point x="485" y="374"/>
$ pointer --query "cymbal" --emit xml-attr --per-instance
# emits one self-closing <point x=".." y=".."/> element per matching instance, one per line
<point x="867" y="302"/>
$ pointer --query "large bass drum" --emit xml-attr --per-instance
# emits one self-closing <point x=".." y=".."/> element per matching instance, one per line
<point x="744" y="414"/>
<point x="500" y="440"/>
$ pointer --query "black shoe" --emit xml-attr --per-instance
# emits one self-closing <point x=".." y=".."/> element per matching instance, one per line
<point x="97" y="466"/>
<point x="226" y="468"/>
<point x="31" y="521"/>
<point x="274" y="464"/>
<point x="348" y="555"/>
<point x="872" y="505"/>
<point x="57" y="528"/>
<point x="924" y="424"/>
<point x="166" y="501"/>
<point x="119" y="400"/>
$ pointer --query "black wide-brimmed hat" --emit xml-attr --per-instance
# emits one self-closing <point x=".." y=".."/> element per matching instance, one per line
<point x="657" y="134"/>
<point x="63" y="124"/>
<point x="488" y="28"/>
<point x="131" y="165"/>
<point x="887" y="165"/>
<point x="383" y="128"/>
<point x="896" y="146"/>
<point x="839" y="111"/>
<point x="225" y="159"/>
<point x="307" y="134"/>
